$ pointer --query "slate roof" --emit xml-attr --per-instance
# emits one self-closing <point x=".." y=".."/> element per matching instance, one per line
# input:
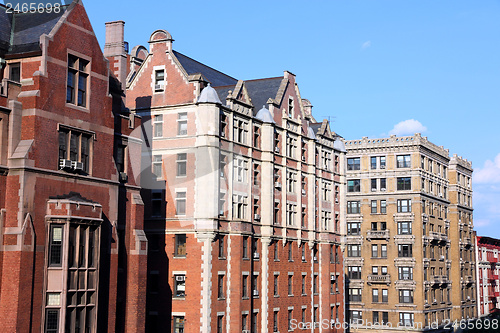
<point x="20" y="32"/>
<point x="223" y="91"/>
<point x="261" y="90"/>
<point x="215" y="77"/>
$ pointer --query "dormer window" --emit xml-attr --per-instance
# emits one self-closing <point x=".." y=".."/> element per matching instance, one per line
<point x="76" y="91"/>
<point x="159" y="80"/>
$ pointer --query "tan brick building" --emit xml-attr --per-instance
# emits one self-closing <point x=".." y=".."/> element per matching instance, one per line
<point x="408" y="257"/>
<point x="245" y="197"/>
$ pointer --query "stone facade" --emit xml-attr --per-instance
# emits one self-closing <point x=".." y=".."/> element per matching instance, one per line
<point x="406" y="234"/>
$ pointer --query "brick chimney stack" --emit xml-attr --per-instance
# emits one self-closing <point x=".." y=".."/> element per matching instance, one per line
<point x="114" y="50"/>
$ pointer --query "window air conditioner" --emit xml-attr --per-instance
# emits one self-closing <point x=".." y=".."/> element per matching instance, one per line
<point x="277" y="149"/>
<point x="374" y="189"/>
<point x="65" y="164"/>
<point x="303" y="258"/>
<point x="245" y="331"/>
<point x="332" y="278"/>
<point x="303" y="192"/>
<point x="77" y="166"/>
<point x="303" y="158"/>
<point x="435" y="300"/>
<point x="277" y="185"/>
<point x="158" y="87"/>
<point x="222" y="134"/>
<point x="440" y="195"/>
<point x="256" y="255"/>
<point x="256" y="217"/>
<point x="315" y="258"/>
<point x="383" y="189"/>
<point x="256" y="293"/>
<point x="180" y="278"/>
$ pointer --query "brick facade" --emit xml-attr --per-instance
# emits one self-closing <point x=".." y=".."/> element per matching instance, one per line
<point x="488" y="283"/>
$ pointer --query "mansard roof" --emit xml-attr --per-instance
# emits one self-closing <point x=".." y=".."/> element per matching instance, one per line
<point x="20" y="32"/>
<point x="215" y="77"/>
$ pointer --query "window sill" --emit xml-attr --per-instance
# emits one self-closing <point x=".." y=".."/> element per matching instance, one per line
<point x="77" y="107"/>
<point x="246" y="258"/>
<point x="303" y="294"/>
<point x="276" y="296"/>
<point x="221" y="298"/>
<point x="178" y="257"/>
<point x="178" y="298"/>
<point x="222" y="258"/>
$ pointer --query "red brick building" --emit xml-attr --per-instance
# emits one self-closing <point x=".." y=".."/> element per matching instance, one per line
<point x="73" y="252"/>
<point x="244" y="196"/>
<point x="488" y="267"/>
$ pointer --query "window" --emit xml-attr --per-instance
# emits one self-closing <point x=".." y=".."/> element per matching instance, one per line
<point x="404" y="183"/>
<point x="180" y="203"/>
<point x="383" y="270"/>
<point x="255" y="290"/>
<point x="383" y="184"/>
<point x="290" y="107"/>
<point x="157" y="166"/>
<point x="382" y="162"/>
<point x="120" y="158"/>
<point x="275" y="321"/>
<point x="180" y="245"/>
<point x="240" y="131"/>
<point x="373" y="162"/>
<point x="385" y="295"/>
<point x="385" y="318"/>
<point x="76" y="89"/>
<point x="156" y="203"/>
<point x="383" y="207"/>
<point x="291" y="146"/>
<point x="383" y="251"/>
<point x="374" y="295"/>
<point x="181" y="164"/>
<point x="404" y="250"/>
<point x="74" y="149"/>
<point x="221" y="247"/>
<point x="220" y="286"/>
<point x="353" y="207"/>
<point x="15" y="72"/>
<point x="245" y="247"/>
<point x="315" y="283"/>
<point x="303" y="289"/>
<point x="374" y="206"/>
<point x="256" y="136"/>
<point x="406" y="319"/>
<point x="353" y="228"/>
<point x="374" y="251"/>
<point x="405" y="273"/>
<point x="244" y="320"/>
<point x="159" y="80"/>
<point x="353" y="185"/>
<point x="276" y="285"/>
<point x="353" y="163"/>
<point x="158" y="126"/>
<point x="55" y="246"/>
<point x="404" y="228"/>
<point x="403" y="161"/>
<point x="178" y="324"/>
<point x="290" y="316"/>
<point x="404" y="205"/>
<point x="354" y="272"/>
<point x="355" y="316"/>
<point x="291" y="179"/>
<point x="353" y="250"/>
<point x="254" y="321"/>
<point x="240" y="167"/>
<point x="290" y="285"/>
<point x="182" y="123"/>
<point x="354" y="295"/>
<point x="52" y="321"/>
<point x="239" y="206"/>
<point x="179" y="286"/>
<point x="405" y="296"/>
<point x="80" y="242"/>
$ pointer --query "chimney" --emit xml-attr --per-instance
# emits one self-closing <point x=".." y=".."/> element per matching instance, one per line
<point x="114" y="50"/>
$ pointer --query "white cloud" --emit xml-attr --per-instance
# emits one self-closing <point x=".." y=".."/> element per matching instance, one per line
<point x="481" y="223"/>
<point x="366" y="45"/>
<point x="489" y="173"/>
<point x="408" y="127"/>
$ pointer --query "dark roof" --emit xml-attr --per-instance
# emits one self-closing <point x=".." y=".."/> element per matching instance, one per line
<point x="73" y="196"/>
<point x="315" y="127"/>
<point x="20" y="32"/>
<point x="215" y="77"/>
<point x="261" y="90"/>
<point x="223" y="92"/>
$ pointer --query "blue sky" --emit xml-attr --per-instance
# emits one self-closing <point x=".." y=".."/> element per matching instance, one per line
<point x="368" y="65"/>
